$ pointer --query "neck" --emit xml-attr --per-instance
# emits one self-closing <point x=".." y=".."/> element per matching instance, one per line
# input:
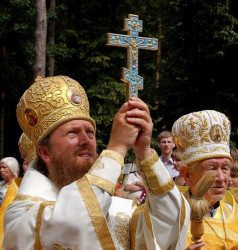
<point x="8" y="181"/>
<point x="165" y="157"/>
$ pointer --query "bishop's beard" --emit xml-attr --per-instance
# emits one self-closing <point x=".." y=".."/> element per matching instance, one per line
<point x="65" y="172"/>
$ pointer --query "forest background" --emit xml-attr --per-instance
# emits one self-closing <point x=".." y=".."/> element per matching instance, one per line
<point x="194" y="69"/>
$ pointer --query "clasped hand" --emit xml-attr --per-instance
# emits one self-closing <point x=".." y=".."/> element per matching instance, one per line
<point x="132" y="127"/>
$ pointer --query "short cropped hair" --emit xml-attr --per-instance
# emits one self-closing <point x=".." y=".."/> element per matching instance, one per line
<point x="164" y="134"/>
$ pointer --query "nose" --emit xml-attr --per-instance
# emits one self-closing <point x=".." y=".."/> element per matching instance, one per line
<point x="220" y="176"/>
<point x="83" y="138"/>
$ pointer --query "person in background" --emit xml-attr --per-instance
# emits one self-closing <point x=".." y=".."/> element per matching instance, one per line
<point x="233" y="180"/>
<point x="9" y="169"/>
<point x="166" y="145"/>
<point x="178" y="180"/>
<point x="234" y="153"/>
<point x="66" y="198"/>
<point x="28" y="153"/>
<point x="119" y="191"/>
<point x="134" y="186"/>
<point x="195" y="135"/>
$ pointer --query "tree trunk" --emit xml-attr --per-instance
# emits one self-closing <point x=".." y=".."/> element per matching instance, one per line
<point x="40" y="38"/>
<point x="51" y="39"/>
<point x="2" y="113"/>
<point x="158" y="57"/>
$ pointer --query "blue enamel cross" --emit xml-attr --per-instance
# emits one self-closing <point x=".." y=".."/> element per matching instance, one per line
<point x="132" y="25"/>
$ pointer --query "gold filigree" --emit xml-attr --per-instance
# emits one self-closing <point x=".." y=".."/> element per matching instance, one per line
<point x="113" y="155"/>
<point x="182" y="213"/>
<point x="27" y="148"/>
<point x="95" y="213"/>
<point x="143" y="247"/>
<point x="43" y="205"/>
<point x="134" y="222"/>
<point x="101" y="183"/>
<point x="151" y="179"/>
<point x="50" y="102"/>
<point x="57" y="246"/>
<point x="122" y="229"/>
<point x="97" y="165"/>
<point x="201" y="132"/>
<point x="23" y="197"/>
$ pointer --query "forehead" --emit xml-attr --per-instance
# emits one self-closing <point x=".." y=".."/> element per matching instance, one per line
<point x="3" y="164"/>
<point x="215" y="162"/>
<point x="166" y="139"/>
<point x="76" y="124"/>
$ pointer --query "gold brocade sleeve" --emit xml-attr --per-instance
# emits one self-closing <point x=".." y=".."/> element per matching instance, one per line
<point x="113" y="155"/>
<point x="150" y="179"/>
<point x="101" y="183"/>
<point x="99" y="166"/>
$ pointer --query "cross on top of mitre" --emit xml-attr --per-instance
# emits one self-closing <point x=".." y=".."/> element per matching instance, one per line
<point x="132" y="42"/>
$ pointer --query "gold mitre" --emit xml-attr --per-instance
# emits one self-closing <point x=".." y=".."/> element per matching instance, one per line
<point x="202" y="135"/>
<point x="49" y="103"/>
<point x="27" y="148"/>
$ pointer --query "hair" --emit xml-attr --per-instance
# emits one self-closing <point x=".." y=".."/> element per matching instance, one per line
<point x="175" y="155"/>
<point x="12" y="164"/>
<point x="39" y="163"/>
<point x="234" y="153"/>
<point x="234" y="167"/>
<point x="164" y="134"/>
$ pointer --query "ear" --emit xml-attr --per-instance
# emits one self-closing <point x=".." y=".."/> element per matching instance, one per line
<point x="184" y="170"/>
<point x="44" y="153"/>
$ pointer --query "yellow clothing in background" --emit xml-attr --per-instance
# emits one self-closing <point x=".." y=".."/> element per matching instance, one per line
<point x="9" y="197"/>
<point x="219" y="233"/>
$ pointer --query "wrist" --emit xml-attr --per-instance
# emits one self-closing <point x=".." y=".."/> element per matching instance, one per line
<point x="145" y="154"/>
<point x="119" y="149"/>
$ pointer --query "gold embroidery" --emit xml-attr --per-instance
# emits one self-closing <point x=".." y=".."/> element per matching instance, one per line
<point x="97" y="165"/>
<point x="182" y="213"/>
<point x="46" y="105"/>
<point x="198" y="133"/>
<point x="113" y="155"/>
<point x="203" y="151"/>
<point x="57" y="246"/>
<point x="95" y="212"/>
<point x="122" y="229"/>
<point x="147" y="218"/>
<point x="37" y="244"/>
<point x="150" y="180"/>
<point x="153" y="181"/>
<point x="134" y="222"/>
<point x="23" y="197"/>
<point x="143" y="247"/>
<point x="101" y="183"/>
<point x="151" y="160"/>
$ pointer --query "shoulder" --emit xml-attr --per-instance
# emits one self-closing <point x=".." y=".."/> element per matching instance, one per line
<point x="234" y="192"/>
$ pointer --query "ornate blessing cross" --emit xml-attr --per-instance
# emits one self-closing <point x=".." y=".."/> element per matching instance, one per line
<point x="132" y="25"/>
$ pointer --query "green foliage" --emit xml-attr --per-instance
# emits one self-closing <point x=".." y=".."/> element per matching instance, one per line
<point x="197" y="70"/>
